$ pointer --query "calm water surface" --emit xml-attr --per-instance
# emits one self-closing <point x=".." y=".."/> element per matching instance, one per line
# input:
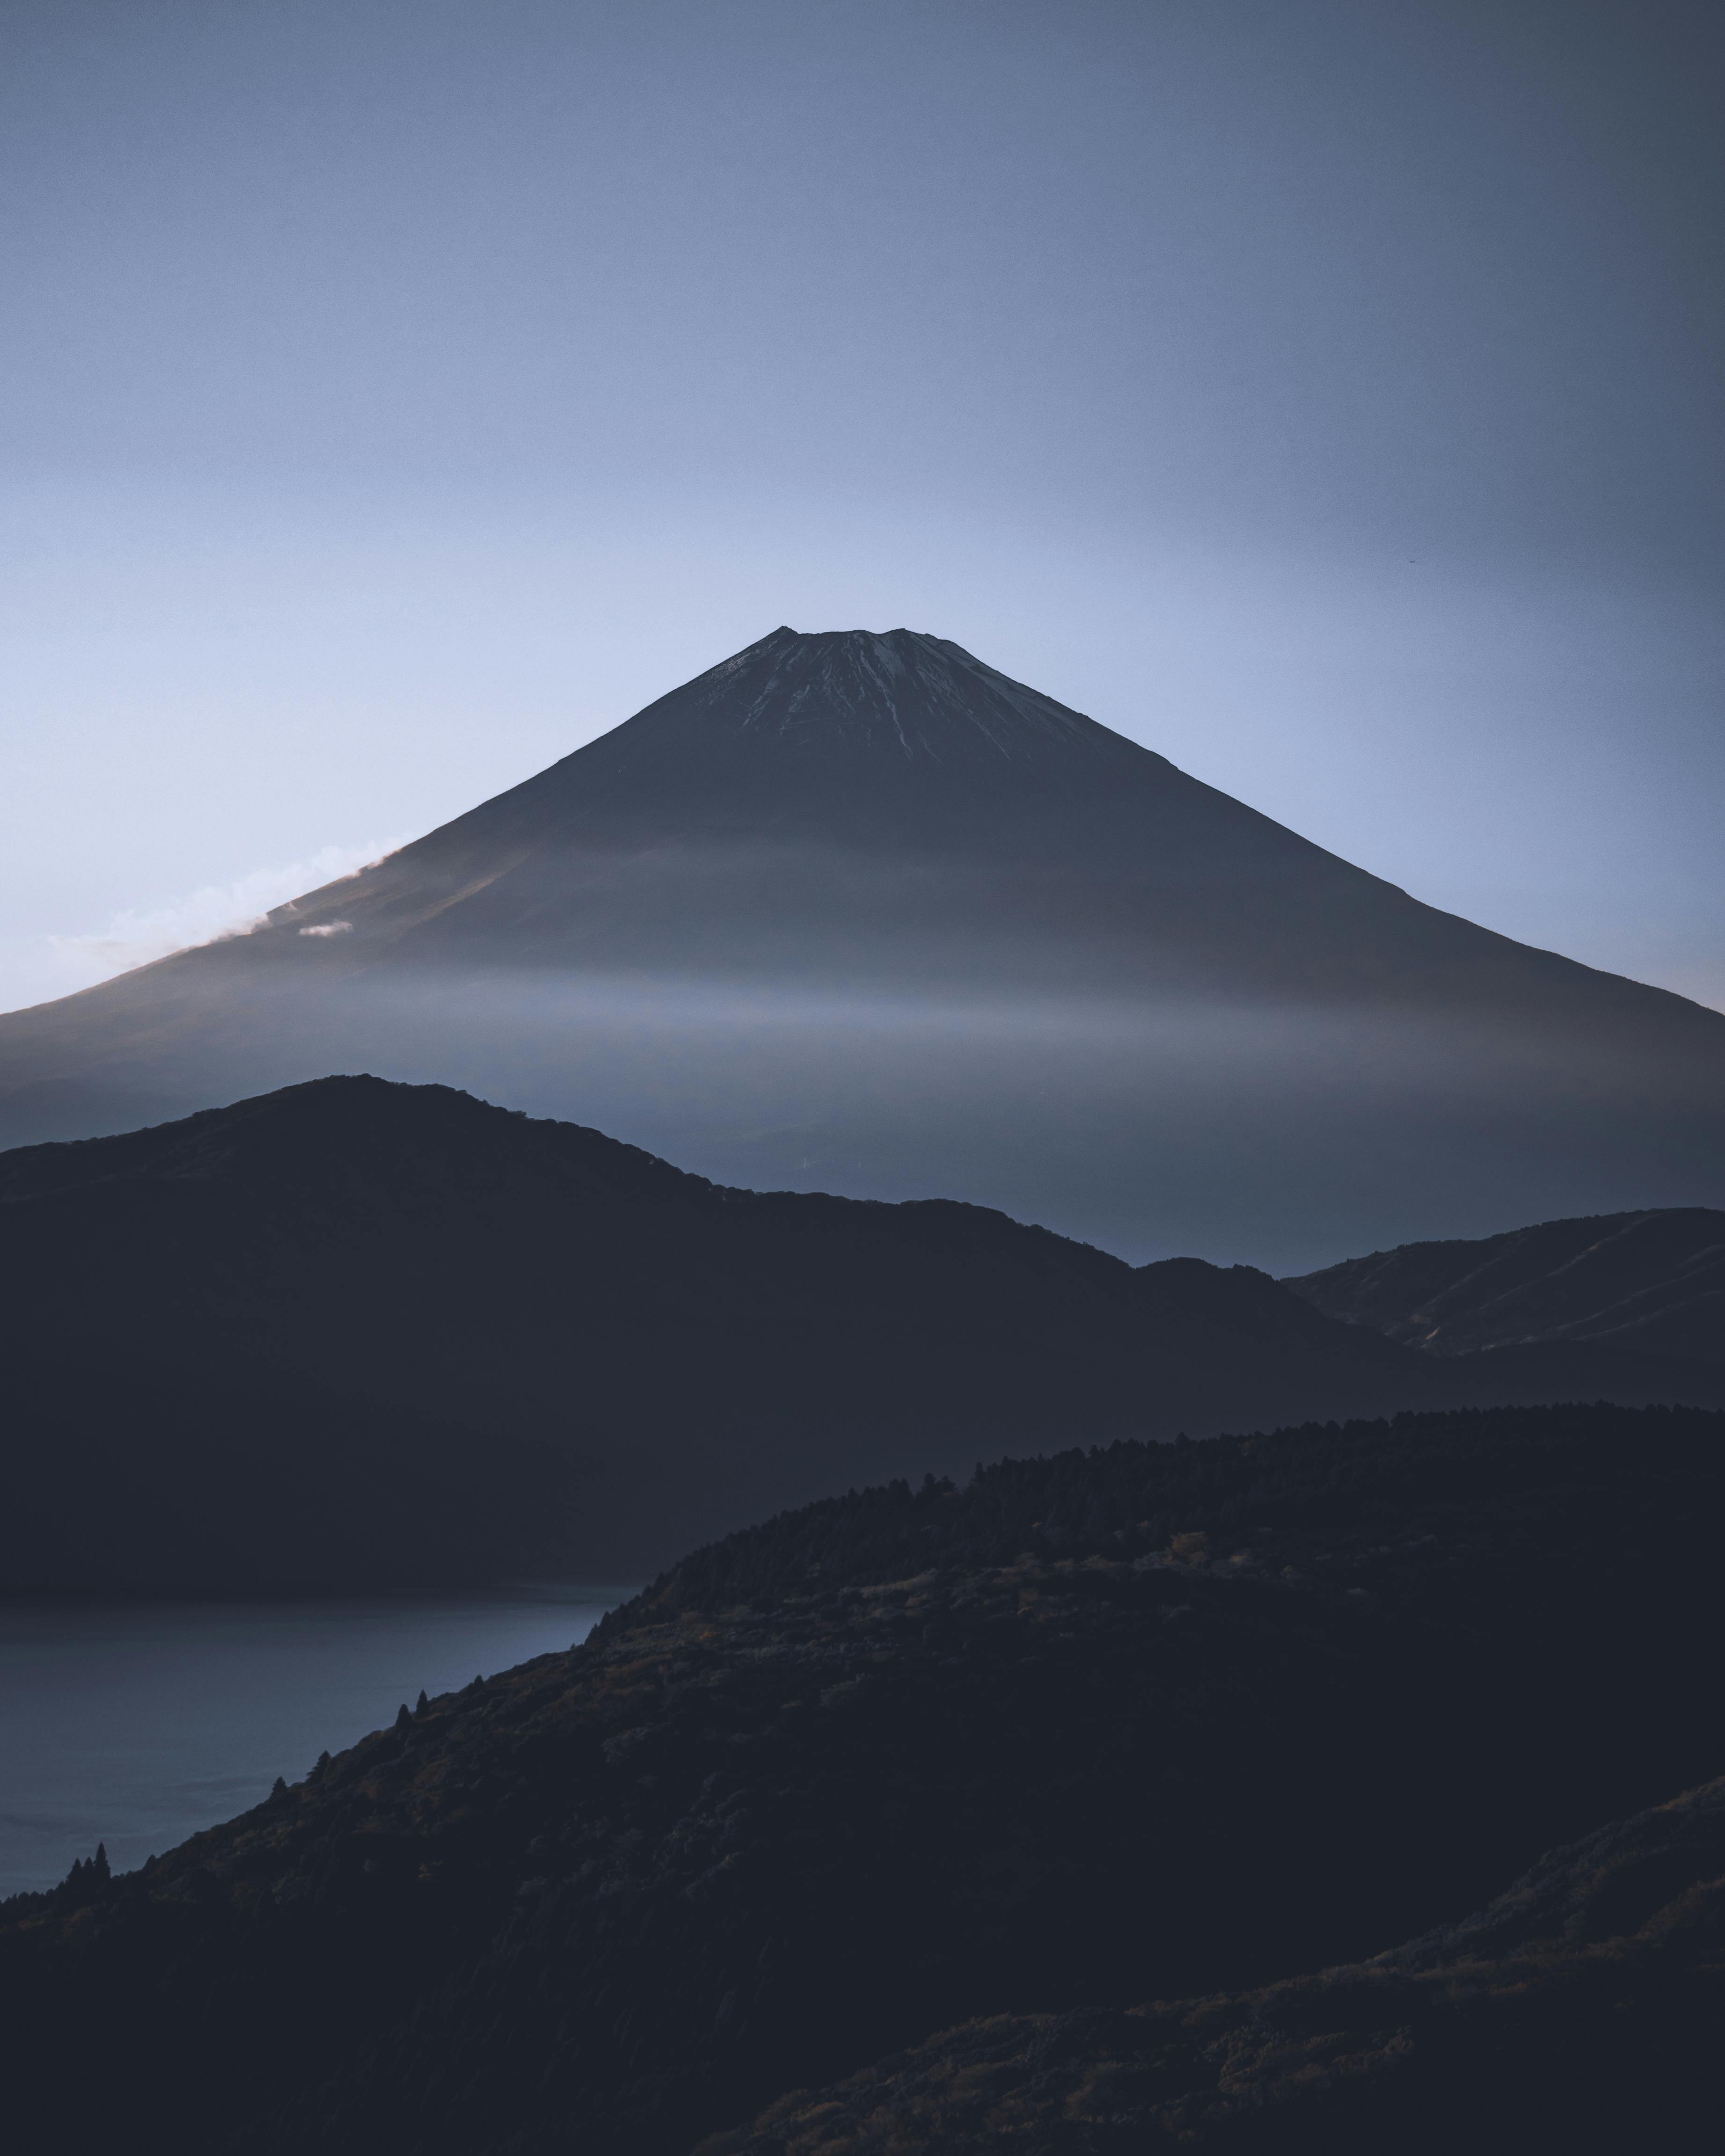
<point x="137" y="1726"/>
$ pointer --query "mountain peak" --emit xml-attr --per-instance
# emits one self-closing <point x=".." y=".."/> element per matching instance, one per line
<point x="897" y="693"/>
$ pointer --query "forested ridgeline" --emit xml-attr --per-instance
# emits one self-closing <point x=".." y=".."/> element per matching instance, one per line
<point x="1317" y="1494"/>
<point x="1144" y="1723"/>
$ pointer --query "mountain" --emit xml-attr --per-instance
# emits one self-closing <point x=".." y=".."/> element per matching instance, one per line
<point x="537" y="1304"/>
<point x="857" y="912"/>
<point x="1650" y="1283"/>
<point x="1151" y="1722"/>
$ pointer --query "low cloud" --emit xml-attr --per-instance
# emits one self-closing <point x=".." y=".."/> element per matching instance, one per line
<point x="330" y="928"/>
<point x="136" y="937"/>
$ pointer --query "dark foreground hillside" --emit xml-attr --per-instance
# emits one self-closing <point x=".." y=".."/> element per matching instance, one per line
<point x="1582" y="2009"/>
<point x="233" y="1334"/>
<point x="1149" y="1721"/>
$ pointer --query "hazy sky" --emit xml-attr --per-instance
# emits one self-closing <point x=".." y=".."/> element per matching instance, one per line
<point x="1327" y="395"/>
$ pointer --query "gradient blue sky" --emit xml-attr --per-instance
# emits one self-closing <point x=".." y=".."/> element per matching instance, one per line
<point x="1327" y="395"/>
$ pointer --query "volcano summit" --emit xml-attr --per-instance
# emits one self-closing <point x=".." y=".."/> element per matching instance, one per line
<point x="855" y="911"/>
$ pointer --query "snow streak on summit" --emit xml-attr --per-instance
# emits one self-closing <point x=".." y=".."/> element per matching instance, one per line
<point x="856" y="911"/>
<point x="925" y="696"/>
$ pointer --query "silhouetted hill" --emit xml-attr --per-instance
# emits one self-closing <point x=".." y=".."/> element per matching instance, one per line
<point x="857" y="912"/>
<point x="692" y="1355"/>
<point x="1151" y="1722"/>
<point x="1647" y="1283"/>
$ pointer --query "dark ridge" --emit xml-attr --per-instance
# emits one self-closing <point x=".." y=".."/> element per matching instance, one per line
<point x="508" y="1335"/>
<point x="1128" y="1500"/>
<point x="639" y="1358"/>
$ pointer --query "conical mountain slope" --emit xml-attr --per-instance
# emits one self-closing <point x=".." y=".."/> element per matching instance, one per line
<point x="857" y="911"/>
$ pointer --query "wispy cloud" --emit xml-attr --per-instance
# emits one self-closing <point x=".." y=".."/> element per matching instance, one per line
<point x="136" y="936"/>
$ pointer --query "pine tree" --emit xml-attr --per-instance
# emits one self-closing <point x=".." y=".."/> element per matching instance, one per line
<point x="423" y="1704"/>
<point x="99" y="1867"/>
<point x="322" y="1767"/>
<point x="278" y="1789"/>
<point x="404" y="1720"/>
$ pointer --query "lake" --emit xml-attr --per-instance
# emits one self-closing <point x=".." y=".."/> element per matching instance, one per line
<point x="136" y="1725"/>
